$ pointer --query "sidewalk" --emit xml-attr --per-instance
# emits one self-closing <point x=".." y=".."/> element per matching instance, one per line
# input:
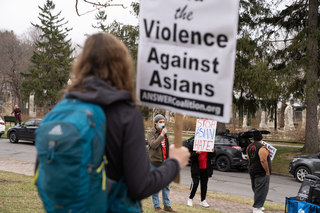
<point x="176" y="195"/>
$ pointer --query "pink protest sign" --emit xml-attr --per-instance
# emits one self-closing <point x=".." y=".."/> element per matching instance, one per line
<point x="204" y="135"/>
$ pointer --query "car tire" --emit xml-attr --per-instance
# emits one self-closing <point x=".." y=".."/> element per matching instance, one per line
<point x="223" y="164"/>
<point x="13" y="137"/>
<point x="301" y="172"/>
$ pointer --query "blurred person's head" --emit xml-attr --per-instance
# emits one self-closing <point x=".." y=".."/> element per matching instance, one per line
<point x="159" y="121"/>
<point x="16" y="107"/>
<point x="107" y="58"/>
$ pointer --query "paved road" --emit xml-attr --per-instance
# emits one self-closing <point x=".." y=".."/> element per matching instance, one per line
<point x="233" y="183"/>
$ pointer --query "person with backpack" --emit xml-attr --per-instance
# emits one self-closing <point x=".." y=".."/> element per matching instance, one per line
<point x="201" y="169"/>
<point x="158" y="146"/>
<point x="93" y="141"/>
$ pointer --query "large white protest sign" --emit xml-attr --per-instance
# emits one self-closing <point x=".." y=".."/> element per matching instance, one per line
<point x="186" y="56"/>
<point x="204" y="135"/>
<point x="272" y="150"/>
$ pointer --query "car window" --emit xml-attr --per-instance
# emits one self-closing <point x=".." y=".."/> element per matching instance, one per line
<point x="37" y="122"/>
<point x="220" y="140"/>
<point x="28" y="123"/>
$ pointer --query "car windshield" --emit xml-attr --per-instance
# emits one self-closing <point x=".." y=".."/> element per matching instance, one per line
<point x="222" y="140"/>
<point x="28" y="123"/>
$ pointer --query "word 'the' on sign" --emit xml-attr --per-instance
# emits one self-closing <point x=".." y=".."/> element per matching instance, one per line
<point x="186" y="56"/>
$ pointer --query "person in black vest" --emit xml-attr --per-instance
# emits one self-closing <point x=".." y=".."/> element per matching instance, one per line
<point x="201" y="170"/>
<point x="259" y="170"/>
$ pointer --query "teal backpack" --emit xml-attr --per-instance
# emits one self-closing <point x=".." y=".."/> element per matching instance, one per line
<point x="71" y="176"/>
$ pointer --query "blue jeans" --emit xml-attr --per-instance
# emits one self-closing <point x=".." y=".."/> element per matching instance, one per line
<point x="165" y="194"/>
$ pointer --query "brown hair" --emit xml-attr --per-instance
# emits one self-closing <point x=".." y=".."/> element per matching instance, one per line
<point x="107" y="58"/>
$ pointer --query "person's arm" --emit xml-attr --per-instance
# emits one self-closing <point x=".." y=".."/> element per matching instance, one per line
<point x="142" y="182"/>
<point x="247" y="154"/>
<point x="154" y="141"/>
<point x="263" y="154"/>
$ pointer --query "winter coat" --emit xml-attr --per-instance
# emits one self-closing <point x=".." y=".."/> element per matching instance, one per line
<point x="17" y="114"/>
<point x="155" y="148"/>
<point x="125" y="140"/>
<point x="195" y="170"/>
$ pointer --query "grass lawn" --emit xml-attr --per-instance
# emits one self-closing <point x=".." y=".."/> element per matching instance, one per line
<point x="148" y="207"/>
<point x="281" y="161"/>
<point x="5" y="133"/>
<point x="18" y="194"/>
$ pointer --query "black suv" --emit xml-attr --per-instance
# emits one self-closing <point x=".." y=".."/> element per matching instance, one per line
<point x="25" y="131"/>
<point x="230" y="150"/>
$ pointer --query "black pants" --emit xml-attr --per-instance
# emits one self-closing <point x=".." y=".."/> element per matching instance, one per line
<point x="17" y="121"/>
<point x="203" y="178"/>
<point x="260" y="188"/>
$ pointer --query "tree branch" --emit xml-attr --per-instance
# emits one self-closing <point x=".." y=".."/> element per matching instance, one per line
<point x="97" y="6"/>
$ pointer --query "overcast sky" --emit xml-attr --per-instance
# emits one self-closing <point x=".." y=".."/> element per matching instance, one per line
<point x="16" y="15"/>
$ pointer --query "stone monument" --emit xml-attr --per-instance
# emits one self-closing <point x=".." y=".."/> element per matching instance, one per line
<point x="262" y="124"/>
<point x="245" y="121"/>
<point x="288" y="121"/>
<point x="32" y="111"/>
<point x="304" y="116"/>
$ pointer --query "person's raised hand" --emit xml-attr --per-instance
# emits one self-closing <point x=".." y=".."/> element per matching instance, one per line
<point x="198" y="152"/>
<point x="164" y="131"/>
<point x="180" y="154"/>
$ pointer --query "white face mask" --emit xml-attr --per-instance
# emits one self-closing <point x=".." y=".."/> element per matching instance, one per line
<point x="160" y="126"/>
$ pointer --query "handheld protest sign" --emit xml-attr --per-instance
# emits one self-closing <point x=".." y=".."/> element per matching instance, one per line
<point x="178" y="137"/>
<point x="204" y="135"/>
<point x="186" y="56"/>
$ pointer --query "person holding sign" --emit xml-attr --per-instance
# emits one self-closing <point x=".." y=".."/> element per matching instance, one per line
<point x="201" y="170"/>
<point x="158" y="144"/>
<point x="103" y="75"/>
<point x="259" y="170"/>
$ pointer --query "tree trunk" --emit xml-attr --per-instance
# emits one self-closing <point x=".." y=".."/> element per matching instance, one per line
<point x="312" y="143"/>
<point x="281" y="121"/>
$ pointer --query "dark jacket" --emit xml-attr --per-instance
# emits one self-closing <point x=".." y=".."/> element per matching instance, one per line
<point x="125" y="142"/>
<point x="17" y="114"/>
<point x="155" y="148"/>
<point x="195" y="170"/>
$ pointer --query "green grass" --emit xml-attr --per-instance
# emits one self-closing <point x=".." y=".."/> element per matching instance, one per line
<point x="268" y="205"/>
<point x="6" y="130"/>
<point x="281" y="161"/>
<point x="18" y="194"/>
<point x="148" y="207"/>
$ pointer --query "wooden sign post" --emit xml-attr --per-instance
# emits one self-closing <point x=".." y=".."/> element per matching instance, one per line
<point x="178" y="137"/>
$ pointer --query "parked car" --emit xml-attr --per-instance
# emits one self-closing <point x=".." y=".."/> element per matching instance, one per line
<point x="2" y="127"/>
<point x="302" y="165"/>
<point x="230" y="150"/>
<point x="25" y="131"/>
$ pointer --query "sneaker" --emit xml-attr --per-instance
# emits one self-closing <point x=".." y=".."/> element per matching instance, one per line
<point x="190" y="202"/>
<point x="158" y="209"/>
<point x="204" y="204"/>
<point x="262" y="208"/>
<point x="257" y="210"/>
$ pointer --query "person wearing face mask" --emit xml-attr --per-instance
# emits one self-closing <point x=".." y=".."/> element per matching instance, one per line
<point x="158" y="145"/>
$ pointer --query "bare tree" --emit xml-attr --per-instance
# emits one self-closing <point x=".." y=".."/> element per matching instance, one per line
<point x="14" y="58"/>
